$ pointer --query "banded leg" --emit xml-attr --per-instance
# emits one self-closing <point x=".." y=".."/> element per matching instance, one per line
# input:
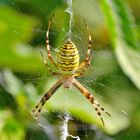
<point x="47" y="42"/>
<point x="47" y="66"/>
<point x="90" y="97"/>
<point x="87" y="60"/>
<point x="46" y="97"/>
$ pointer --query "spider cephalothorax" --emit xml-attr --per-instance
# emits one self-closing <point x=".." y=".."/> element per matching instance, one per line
<point x="68" y="64"/>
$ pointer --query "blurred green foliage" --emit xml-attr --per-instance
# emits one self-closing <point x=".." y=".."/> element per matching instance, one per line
<point x="113" y="76"/>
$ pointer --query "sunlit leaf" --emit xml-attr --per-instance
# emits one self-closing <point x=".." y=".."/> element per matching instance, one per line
<point x="124" y="39"/>
<point x="71" y="100"/>
<point x="66" y="100"/>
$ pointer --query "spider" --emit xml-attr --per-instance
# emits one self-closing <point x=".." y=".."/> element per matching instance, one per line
<point x="69" y="67"/>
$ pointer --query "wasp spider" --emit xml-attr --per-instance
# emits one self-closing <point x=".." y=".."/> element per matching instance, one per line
<point x="68" y="64"/>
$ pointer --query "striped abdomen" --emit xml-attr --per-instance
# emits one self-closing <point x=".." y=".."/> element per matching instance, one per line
<point x="68" y="58"/>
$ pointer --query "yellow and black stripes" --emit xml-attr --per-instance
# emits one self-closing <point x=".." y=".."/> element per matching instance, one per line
<point x="46" y="97"/>
<point x="68" y="58"/>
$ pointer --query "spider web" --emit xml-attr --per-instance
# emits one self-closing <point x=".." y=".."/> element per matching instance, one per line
<point x="91" y="78"/>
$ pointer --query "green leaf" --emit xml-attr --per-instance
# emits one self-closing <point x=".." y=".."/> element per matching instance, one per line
<point x="71" y="100"/>
<point x="64" y="100"/>
<point x="124" y="38"/>
<point x="23" y="93"/>
<point x="16" y="30"/>
<point x="10" y="127"/>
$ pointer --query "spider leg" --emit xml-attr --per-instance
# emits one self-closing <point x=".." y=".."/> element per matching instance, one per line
<point x="47" y="66"/>
<point x="46" y="97"/>
<point x="90" y="97"/>
<point x="81" y="71"/>
<point x="87" y="60"/>
<point x="47" y="42"/>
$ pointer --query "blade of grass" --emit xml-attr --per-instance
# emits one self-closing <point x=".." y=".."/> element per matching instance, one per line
<point x="119" y="20"/>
